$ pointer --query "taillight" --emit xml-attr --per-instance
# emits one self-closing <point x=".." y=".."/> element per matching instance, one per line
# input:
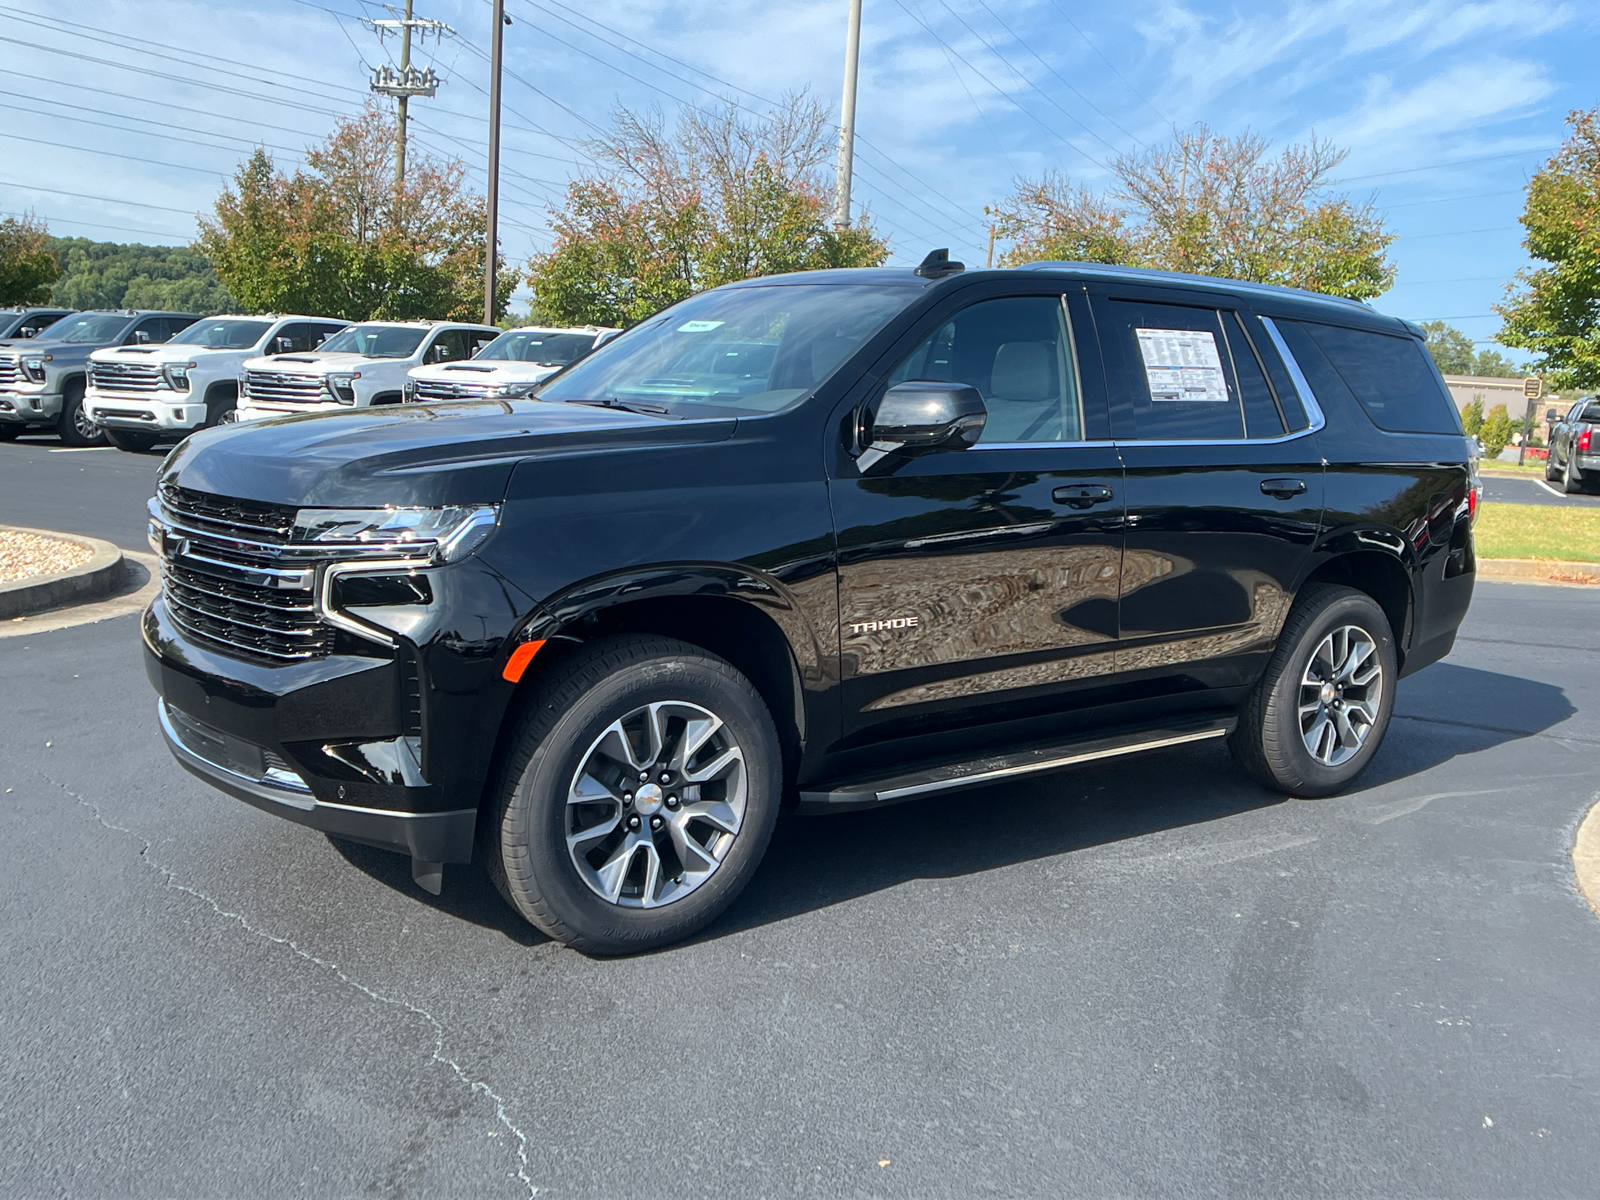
<point x="1474" y="491"/>
<point x="1583" y="441"/>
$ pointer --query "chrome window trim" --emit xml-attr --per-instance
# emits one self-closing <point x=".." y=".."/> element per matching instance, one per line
<point x="1302" y="385"/>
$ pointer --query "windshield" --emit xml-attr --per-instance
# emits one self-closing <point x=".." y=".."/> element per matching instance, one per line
<point x="103" y="327"/>
<point x="222" y="335"/>
<point x="735" y="350"/>
<point x="375" y="341"/>
<point x="538" y="346"/>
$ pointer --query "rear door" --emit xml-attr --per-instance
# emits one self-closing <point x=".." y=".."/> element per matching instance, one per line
<point x="1224" y="484"/>
<point x="980" y="585"/>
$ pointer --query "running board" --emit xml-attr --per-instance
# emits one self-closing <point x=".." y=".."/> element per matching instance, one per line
<point x="932" y="780"/>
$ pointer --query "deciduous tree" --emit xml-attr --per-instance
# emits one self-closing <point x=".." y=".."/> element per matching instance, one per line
<point x="1453" y="353"/>
<point x="1209" y="205"/>
<point x="670" y="212"/>
<point x="27" y="267"/>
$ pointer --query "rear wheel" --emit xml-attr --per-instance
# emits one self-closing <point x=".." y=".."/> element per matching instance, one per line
<point x="636" y="797"/>
<point x="1572" y="478"/>
<point x="74" y="426"/>
<point x="1320" y="712"/>
<point x="1551" y="471"/>
<point x="130" y="439"/>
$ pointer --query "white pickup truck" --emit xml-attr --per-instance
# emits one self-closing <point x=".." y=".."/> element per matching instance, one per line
<point x="511" y="365"/>
<point x="139" y="393"/>
<point x="364" y="365"/>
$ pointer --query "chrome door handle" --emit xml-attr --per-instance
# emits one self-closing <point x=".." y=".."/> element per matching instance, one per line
<point x="1282" y="489"/>
<point x="1082" y="495"/>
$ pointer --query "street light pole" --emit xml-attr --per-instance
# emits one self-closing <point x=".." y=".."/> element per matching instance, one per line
<point x="847" y="120"/>
<point x="491" y="250"/>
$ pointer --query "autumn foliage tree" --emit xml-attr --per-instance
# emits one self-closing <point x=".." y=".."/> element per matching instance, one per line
<point x="341" y="239"/>
<point x="1554" y="309"/>
<point x="28" y="266"/>
<point x="667" y="213"/>
<point x="1208" y="205"/>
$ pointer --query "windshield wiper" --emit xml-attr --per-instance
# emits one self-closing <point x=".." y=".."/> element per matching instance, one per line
<point x="649" y="410"/>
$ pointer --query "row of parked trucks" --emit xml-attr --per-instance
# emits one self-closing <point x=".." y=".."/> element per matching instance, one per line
<point x="132" y="378"/>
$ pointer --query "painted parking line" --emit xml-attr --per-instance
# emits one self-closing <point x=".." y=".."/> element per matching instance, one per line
<point x="1551" y="490"/>
<point x="80" y="450"/>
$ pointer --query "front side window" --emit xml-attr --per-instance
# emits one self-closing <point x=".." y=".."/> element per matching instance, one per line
<point x="733" y="351"/>
<point x="223" y="335"/>
<point x="539" y="346"/>
<point x="153" y="331"/>
<point x="1017" y="352"/>
<point x="376" y="341"/>
<point x="87" y="329"/>
<point x="449" y="346"/>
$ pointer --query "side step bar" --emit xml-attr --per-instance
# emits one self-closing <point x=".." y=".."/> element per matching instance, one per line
<point x="932" y="780"/>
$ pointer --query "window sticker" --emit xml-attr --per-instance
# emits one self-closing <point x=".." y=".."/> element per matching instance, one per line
<point x="1182" y="364"/>
<point x="698" y="326"/>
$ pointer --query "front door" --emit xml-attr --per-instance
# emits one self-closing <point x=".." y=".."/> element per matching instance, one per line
<point x="980" y="585"/>
<point x="1224" y="485"/>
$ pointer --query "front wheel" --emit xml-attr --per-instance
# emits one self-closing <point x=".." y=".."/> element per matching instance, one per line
<point x="130" y="439"/>
<point x="636" y="797"/>
<point x="1320" y="712"/>
<point x="10" y="432"/>
<point x="75" y="427"/>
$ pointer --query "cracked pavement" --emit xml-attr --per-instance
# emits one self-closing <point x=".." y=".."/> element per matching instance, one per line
<point x="1144" y="977"/>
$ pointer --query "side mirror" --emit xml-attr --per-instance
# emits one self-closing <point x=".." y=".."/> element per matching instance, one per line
<point x="283" y="344"/>
<point x="1550" y="415"/>
<point x="923" y="415"/>
<point x="141" y="337"/>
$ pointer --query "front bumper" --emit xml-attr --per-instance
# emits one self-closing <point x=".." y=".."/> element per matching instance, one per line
<point x="19" y="407"/>
<point x="252" y="411"/>
<point x="143" y="412"/>
<point x="322" y="743"/>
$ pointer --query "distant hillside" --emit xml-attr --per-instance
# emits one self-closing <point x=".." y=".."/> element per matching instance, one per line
<point x="117" y="275"/>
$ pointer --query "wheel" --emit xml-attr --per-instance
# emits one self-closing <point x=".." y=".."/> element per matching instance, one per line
<point x="10" y="432"/>
<point x="74" y="426"/>
<point x="636" y="796"/>
<point x="221" y="404"/>
<point x="130" y="439"/>
<point x="1572" y="478"/>
<point x="1321" y="709"/>
<point x="1551" y="472"/>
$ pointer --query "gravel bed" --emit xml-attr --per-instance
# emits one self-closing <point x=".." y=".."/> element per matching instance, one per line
<point x="25" y="555"/>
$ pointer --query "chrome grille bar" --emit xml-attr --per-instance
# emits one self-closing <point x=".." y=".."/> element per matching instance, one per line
<point x="283" y="387"/>
<point x="125" y="377"/>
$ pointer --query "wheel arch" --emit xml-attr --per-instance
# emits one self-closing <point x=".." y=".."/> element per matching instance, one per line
<point x="1380" y="574"/>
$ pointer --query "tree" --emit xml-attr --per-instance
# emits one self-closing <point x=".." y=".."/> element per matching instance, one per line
<point x="1554" y="310"/>
<point x="668" y="214"/>
<point x="1496" y="431"/>
<point x="27" y="267"/>
<point x="1472" y="417"/>
<point x="1453" y="353"/>
<point x="116" y="275"/>
<point x="1208" y="205"/>
<point x="341" y="239"/>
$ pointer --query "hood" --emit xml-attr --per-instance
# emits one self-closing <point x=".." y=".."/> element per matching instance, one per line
<point x="485" y="370"/>
<point x="58" y="351"/>
<point x="159" y="355"/>
<point x="414" y="454"/>
<point x="312" y="363"/>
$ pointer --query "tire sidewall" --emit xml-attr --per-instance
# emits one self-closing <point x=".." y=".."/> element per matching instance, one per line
<point x="1345" y="607"/>
<point x="534" y="819"/>
<point x="67" y="423"/>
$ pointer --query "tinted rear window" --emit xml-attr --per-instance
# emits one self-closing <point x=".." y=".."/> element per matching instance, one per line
<point x="1391" y="377"/>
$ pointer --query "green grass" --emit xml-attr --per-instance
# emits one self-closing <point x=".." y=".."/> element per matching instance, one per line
<point x="1533" y="467"/>
<point x="1538" y="531"/>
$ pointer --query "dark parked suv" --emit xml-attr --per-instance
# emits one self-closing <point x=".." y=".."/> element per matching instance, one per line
<point x="818" y="542"/>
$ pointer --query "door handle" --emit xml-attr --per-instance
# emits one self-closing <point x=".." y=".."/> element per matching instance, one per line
<point x="1082" y="495"/>
<point x="1282" y="489"/>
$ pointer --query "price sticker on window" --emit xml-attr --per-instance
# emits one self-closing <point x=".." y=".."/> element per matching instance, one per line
<point x="1182" y="365"/>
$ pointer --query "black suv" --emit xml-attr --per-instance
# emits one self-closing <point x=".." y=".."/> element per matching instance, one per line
<point x="817" y="542"/>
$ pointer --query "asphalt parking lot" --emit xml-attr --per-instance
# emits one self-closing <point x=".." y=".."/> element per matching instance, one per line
<point x="1147" y="978"/>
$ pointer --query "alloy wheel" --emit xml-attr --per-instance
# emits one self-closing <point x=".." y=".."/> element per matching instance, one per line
<point x="1340" y="694"/>
<point x="84" y="424"/>
<point x="655" y="804"/>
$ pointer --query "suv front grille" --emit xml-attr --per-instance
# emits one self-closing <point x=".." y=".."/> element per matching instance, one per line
<point x="125" y="377"/>
<point x="281" y="387"/>
<point x="444" y="389"/>
<point x="8" y="368"/>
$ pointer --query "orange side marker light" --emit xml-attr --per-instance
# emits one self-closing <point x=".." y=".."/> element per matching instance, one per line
<point x="519" y="660"/>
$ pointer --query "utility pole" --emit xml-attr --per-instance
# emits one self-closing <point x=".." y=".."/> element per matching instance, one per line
<point x="491" y="250"/>
<point x="408" y="81"/>
<point x="847" y="120"/>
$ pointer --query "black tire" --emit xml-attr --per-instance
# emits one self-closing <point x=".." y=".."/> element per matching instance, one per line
<point x="524" y="837"/>
<point x="220" y="401"/>
<point x="1551" y="471"/>
<point x="1572" y="478"/>
<point x="10" y="431"/>
<point x="135" y="440"/>
<point x="73" y="427"/>
<point x="1270" y="742"/>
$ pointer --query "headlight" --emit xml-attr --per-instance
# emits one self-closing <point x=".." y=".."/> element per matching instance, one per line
<point x="343" y="386"/>
<point x="33" y="368"/>
<point x="177" y="376"/>
<point x="510" y="391"/>
<point x="244" y="386"/>
<point x="409" y="390"/>
<point x="454" y="532"/>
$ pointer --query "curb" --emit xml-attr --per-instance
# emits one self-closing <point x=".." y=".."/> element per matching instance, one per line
<point x="98" y="577"/>
<point x="1538" y="570"/>
<point x="1586" y="858"/>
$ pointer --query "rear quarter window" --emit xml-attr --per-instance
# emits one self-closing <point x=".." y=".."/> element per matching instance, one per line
<point x="1390" y="377"/>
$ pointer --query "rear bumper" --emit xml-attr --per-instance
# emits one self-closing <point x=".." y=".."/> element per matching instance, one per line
<point x="1589" y="462"/>
<point x="142" y="412"/>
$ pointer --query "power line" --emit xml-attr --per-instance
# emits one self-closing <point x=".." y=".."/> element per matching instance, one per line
<point x="1460" y="162"/>
<point x="34" y="187"/>
<point x="97" y="225"/>
<point x="1413" y="237"/>
<point x="17" y="137"/>
<point x="1450" y="199"/>
<point x="126" y="129"/>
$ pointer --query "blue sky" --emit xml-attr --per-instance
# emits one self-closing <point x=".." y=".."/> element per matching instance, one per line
<point x="125" y="116"/>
